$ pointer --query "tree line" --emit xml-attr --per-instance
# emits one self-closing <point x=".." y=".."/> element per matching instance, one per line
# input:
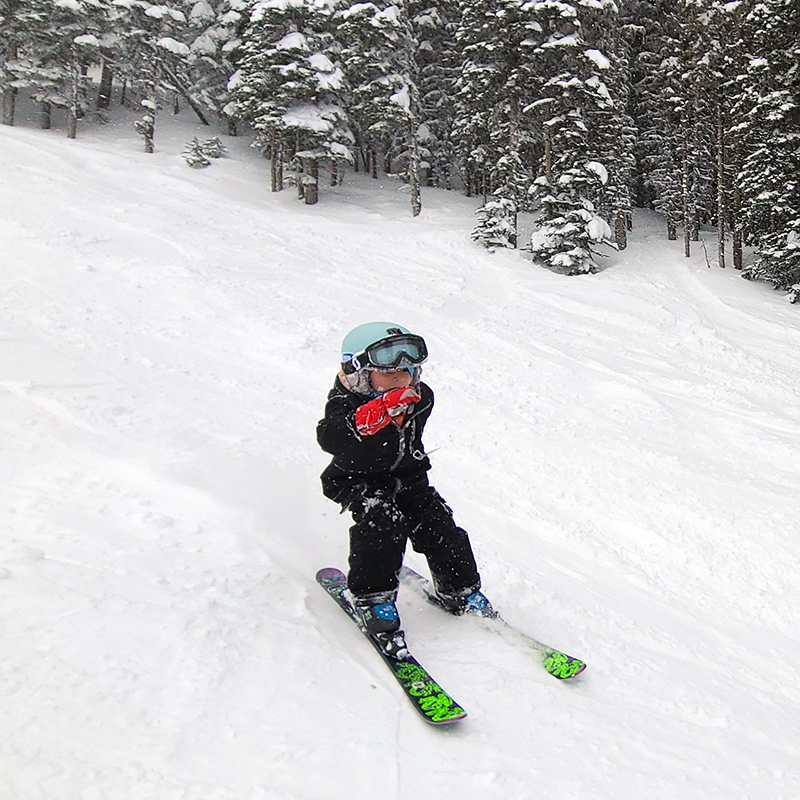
<point x="573" y="110"/>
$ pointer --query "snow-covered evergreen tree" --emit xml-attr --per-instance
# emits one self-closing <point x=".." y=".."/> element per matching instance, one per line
<point x="652" y="30"/>
<point x="214" y="31"/>
<point x="155" y="56"/>
<point x="612" y="133"/>
<point x="573" y="97"/>
<point x="494" y="87"/>
<point x="47" y="51"/>
<point x="770" y="178"/>
<point x="379" y="56"/>
<point x="700" y="83"/>
<point x="16" y="28"/>
<point x="497" y="223"/>
<point x="498" y="142"/>
<point x="193" y="154"/>
<point x="289" y="88"/>
<point x="438" y="61"/>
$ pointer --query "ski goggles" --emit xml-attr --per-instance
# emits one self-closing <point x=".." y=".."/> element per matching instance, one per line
<point x="394" y="352"/>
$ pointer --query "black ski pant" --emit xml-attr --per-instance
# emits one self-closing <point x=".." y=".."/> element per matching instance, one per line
<point x="385" y="521"/>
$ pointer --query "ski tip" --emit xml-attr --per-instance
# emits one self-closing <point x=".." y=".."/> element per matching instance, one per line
<point x="442" y="723"/>
<point x="562" y="666"/>
<point x="329" y="575"/>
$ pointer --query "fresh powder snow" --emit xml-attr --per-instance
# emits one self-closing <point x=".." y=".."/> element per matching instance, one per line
<point x="624" y="449"/>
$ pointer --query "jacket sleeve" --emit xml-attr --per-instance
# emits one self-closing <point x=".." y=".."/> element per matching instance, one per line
<point x="351" y="452"/>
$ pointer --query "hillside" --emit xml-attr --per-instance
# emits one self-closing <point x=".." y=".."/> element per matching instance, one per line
<point x="624" y="449"/>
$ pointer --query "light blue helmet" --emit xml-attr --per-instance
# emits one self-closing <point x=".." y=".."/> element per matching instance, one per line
<point x="380" y="346"/>
<point x="360" y="338"/>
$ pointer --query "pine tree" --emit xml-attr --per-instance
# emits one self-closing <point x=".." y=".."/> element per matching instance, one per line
<point x="194" y="156"/>
<point x="612" y="132"/>
<point x="652" y="32"/>
<point x="215" y="28"/>
<point x="48" y="49"/>
<point x="568" y="229"/>
<point x="438" y="60"/>
<point x="497" y="139"/>
<point x="379" y="53"/>
<point x="289" y="88"/>
<point x="497" y="223"/>
<point x="15" y="31"/>
<point x="770" y="177"/>
<point x="154" y="56"/>
<point x="700" y="83"/>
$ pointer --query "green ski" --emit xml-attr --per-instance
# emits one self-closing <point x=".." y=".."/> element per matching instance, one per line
<point x="558" y="664"/>
<point x="428" y="698"/>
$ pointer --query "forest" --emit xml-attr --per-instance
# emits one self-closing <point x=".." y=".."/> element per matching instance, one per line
<point x="574" y="111"/>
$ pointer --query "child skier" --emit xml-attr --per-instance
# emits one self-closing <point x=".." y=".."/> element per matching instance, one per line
<point x="373" y="425"/>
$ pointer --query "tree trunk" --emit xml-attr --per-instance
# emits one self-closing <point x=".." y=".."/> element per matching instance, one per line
<point x="45" y="115"/>
<point x="672" y="229"/>
<point x="276" y="161"/>
<point x="687" y="223"/>
<point x="311" y="182"/>
<point x="9" y="106"/>
<point x="106" y="87"/>
<point x="413" y="168"/>
<point x="721" y="206"/>
<point x="621" y="230"/>
<point x="72" y="111"/>
<point x="736" y="210"/>
<point x="184" y="91"/>
<point x="147" y="124"/>
<point x="10" y="94"/>
<point x="232" y="129"/>
<point x="373" y="161"/>
<point x="149" y="132"/>
<point x="334" y="172"/>
<point x="548" y="157"/>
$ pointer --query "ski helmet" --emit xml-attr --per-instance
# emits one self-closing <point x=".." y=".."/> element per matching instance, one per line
<point x="380" y="346"/>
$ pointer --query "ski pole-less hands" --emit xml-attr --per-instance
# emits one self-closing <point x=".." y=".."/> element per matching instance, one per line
<point x="378" y="413"/>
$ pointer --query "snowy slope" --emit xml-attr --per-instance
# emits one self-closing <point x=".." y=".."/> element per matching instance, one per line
<point x="624" y="448"/>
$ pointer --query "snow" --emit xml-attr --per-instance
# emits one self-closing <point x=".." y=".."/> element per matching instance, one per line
<point x="599" y="170"/>
<point x="159" y="12"/>
<point x="401" y="98"/>
<point x="310" y="116"/>
<point x="599" y="60"/>
<point x="598" y="229"/>
<point x="235" y="80"/>
<point x="204" y="44"/>
<point x="292" y="41"/>
<point x="88" y="39"/>
<point x="321" y="62"/>
<point x="202" y="10"/>
<point x="624" y="449"/>
<point x="174" y="46"/>
<point x="389" y="15"/>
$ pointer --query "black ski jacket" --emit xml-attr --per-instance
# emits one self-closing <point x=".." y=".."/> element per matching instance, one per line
<point x="392" y="459"/>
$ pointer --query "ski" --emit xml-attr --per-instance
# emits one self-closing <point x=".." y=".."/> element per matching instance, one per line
<point x="558" y="664"/>
<point x="428" y="698"/>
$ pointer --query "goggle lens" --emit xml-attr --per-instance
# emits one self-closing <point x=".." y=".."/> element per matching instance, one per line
<point x="393" y="353"/>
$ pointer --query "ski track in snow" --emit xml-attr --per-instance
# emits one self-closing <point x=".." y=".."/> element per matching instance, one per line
<point x="624" y="449"/>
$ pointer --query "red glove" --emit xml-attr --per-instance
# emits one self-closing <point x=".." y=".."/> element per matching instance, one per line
<point x="378" y="413"/>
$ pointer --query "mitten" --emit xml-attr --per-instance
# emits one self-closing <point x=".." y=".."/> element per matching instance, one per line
<point x="378" y="413"/>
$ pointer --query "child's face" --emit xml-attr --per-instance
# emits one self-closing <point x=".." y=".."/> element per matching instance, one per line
<point x="385" y="381"/>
